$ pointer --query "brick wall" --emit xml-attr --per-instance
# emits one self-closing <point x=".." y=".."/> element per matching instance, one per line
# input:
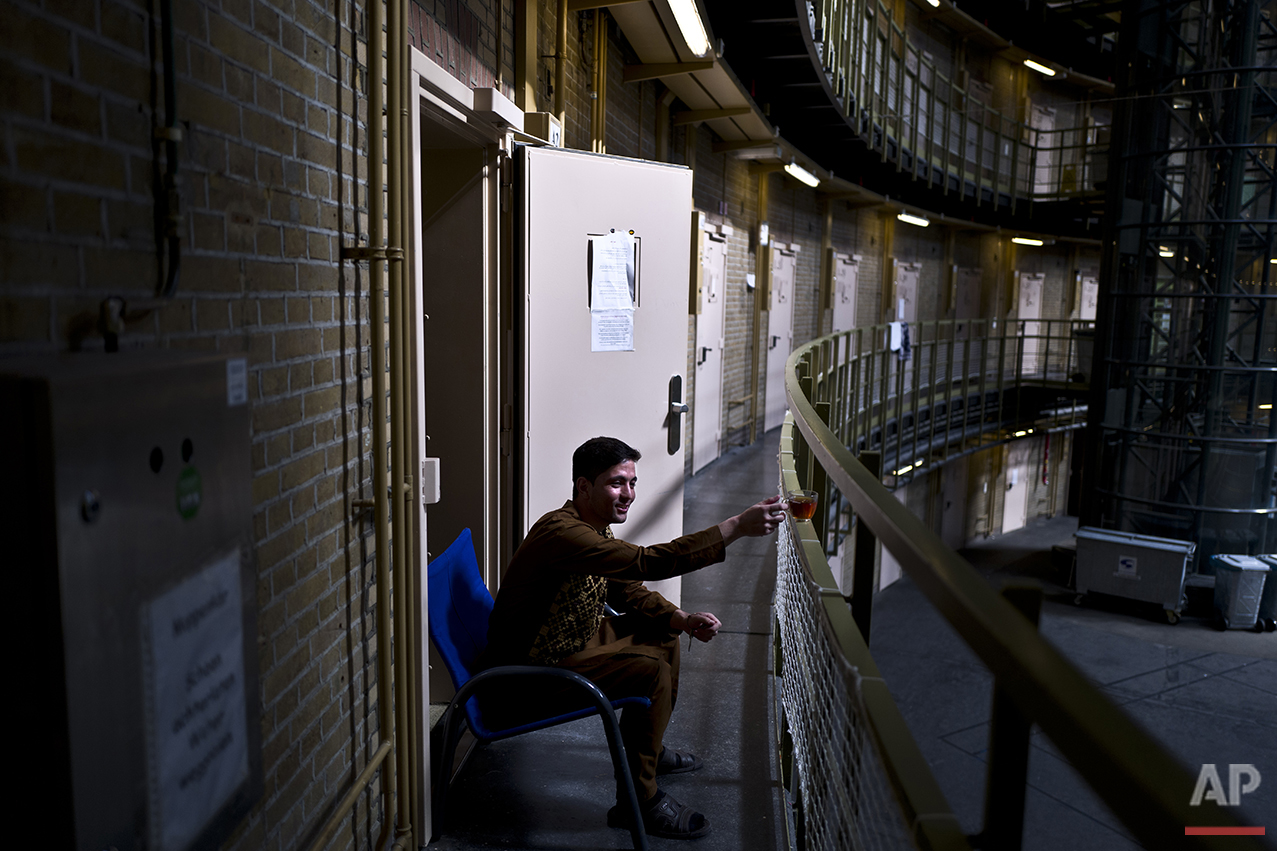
<point x="268" y="193"/>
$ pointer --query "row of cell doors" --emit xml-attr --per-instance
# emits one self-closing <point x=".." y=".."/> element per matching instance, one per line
<point x="709" y="414"/>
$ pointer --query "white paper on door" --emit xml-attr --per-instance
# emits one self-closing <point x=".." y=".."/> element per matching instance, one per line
<point x="612" y="292"/>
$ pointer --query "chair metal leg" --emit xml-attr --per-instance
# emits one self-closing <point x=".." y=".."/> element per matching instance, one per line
<point x="452" y="718"/>
<point x="612" y="728"/>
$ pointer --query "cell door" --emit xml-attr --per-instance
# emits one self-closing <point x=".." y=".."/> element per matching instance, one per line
<point x="966" y="306"/>
<point x="1090" y="298"/>
<point x="708" y="415"/>
<point x="592" y="228"/>
<point x="1029" y="310"/>
<point x="953" y="503"/>
<point x="1042" y="120"/>
<point x="907" y="276"/>
<point x="780" y="332"/>
<point x="846" y="276"/>
<point x="1015" y="505"/>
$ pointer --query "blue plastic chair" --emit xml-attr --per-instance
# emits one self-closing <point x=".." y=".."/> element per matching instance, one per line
<point x="459" y="606"/>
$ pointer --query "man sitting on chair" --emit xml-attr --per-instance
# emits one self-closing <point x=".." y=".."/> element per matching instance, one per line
<point x="549" y="611"/>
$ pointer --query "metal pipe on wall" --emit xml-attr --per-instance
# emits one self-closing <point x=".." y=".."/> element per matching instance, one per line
<point x="396" y="68"/>
<point x="376" y="255"/>
<point x="377" y="295"/>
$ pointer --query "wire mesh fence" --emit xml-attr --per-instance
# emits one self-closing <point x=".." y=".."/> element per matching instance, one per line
<point x="842" y="794"/>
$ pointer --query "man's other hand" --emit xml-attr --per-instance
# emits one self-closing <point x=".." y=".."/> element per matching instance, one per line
<point x="759" y="519"/>
<point x="702" y="625"/>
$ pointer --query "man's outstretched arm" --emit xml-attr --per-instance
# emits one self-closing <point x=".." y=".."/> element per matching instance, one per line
<point x="759" y="519"/>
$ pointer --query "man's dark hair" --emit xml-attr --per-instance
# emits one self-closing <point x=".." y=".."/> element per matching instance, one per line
<point x="598" y="454"/>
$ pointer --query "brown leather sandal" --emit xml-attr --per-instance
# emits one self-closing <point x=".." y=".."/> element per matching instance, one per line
<point x="673" y="762"/>
<point x="666" y="818"/>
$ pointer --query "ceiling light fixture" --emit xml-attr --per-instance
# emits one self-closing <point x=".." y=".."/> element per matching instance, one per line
<point x="1024" y="240"/>
<point x="1163" y="251"/>
<point x="910" y="218"/>
<point x="1039" y="67"/>
<point x="935" y="3"/>
<point x="799" y="173"/>
<point x="688" y="18"/>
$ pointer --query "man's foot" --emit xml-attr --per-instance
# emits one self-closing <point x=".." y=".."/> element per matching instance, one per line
<point x="663" y="816"/>
<point x="673" y="762"/>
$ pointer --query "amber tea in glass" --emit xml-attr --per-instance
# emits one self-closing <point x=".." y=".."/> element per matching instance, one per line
<point x="802" y="504"/>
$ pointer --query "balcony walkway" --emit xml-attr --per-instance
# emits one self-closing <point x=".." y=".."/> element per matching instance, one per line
<point x="1209" y="697"/>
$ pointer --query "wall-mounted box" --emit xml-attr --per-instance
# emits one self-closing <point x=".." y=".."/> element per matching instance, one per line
<point x="127" y="508"/>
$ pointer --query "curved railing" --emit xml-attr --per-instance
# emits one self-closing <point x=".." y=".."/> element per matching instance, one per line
<point x="855" y="774"/>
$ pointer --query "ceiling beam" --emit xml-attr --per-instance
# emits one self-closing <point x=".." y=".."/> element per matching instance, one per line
<point x="657" y="70"/>
<point x="743" y="145"/>
<point x="696" y="116"/>
<point x="583" y="5"/>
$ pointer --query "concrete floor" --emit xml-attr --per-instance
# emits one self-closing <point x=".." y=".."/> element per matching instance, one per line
<point x="1207" y="696"/>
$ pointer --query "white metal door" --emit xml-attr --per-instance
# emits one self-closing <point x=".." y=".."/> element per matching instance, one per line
<point x="1030" y="309"/>
<point x="780" y="332"/>
<point x="1042" y="120"/>
<point x="570" y="392"/>
<point x="708" y="413"/>
<point x="907" y="276"/>
<point x="846" y="277"/>
<point x="1015" y="506"/>
<point x="966" y="306"/>
<point x="1090" y="298"/>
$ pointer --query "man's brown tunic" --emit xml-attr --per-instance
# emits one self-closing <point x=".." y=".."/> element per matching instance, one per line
<point x="549" y="611"/>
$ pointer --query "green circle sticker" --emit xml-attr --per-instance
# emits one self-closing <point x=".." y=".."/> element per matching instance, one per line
<point x="189" y="493"/>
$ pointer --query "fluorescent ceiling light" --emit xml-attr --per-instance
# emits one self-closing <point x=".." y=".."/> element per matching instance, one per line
<point x="935" y="3"/>
<point x="1267" y="407"/>
<point x="910" y="218"/>
<point x="903" y="470"/>
<point x="1273" y="261"/>
<point x="1039" y="67"/>
<point x="799" y="173"/>
<point x="1163" y="251"/>
<point x="690" y="25"/>
<point x="1024" y="240"/>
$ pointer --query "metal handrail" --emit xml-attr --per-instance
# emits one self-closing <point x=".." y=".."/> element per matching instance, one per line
<point x="1143" y="785"/>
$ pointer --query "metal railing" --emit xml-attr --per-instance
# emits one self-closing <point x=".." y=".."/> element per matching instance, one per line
<point x="845" y="753"/>
<point x="896" y="97"/>
<point x="965" y="386"/>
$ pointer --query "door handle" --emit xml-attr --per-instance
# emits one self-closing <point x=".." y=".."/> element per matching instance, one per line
<point x="705" y="350"/>
<point x="674" y="420"/>
<point x="775" y="340"/>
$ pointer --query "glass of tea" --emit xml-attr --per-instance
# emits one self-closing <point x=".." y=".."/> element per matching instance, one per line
<point x="802" y="504"/>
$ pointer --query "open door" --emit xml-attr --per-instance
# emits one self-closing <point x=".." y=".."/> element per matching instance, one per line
<point x="587" y="372"/>
<point x="780" y="331"/>
<point x="707" y="422"/>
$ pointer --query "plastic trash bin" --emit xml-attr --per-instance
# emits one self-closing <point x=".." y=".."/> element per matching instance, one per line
<point x="1137" y="567"/>
<point x="1239" y="586"/>
<point x="1268" y="602"/>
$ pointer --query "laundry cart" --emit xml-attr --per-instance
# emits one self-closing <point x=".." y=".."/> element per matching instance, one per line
<point x="1137" y="567"/>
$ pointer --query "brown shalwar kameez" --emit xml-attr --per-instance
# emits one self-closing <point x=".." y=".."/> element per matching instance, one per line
<point x="549" y="612"/>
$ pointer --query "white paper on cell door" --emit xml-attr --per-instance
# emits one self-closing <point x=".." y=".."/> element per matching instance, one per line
<point x="612" y="293"/>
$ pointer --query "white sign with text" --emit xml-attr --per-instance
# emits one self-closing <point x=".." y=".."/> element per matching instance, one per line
<point x="197" y="730"/>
